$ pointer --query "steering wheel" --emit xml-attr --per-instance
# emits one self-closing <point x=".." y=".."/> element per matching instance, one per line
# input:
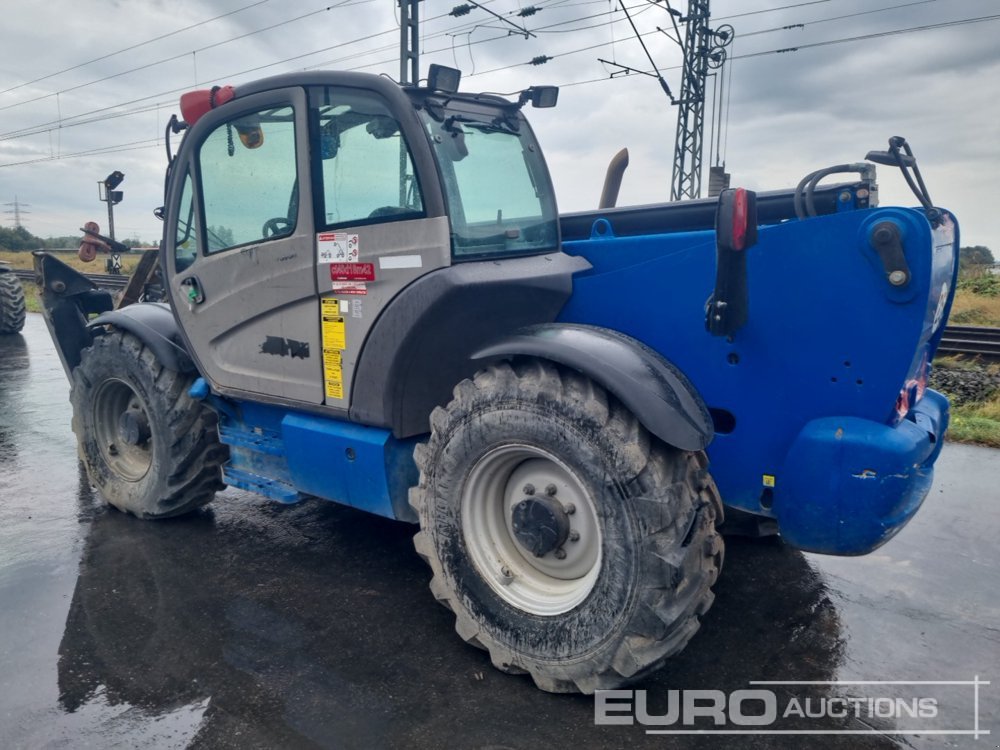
<point x="384" y="211"/>
<point x="276" y="226"/>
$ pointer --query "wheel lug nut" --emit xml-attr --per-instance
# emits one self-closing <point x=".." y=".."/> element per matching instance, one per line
<point x="569" y="509"/>
<point x="529" y="489"/>
<point x="574" y="536"/>
<point x="550" y="490"/>
<point x="561" y="554"/>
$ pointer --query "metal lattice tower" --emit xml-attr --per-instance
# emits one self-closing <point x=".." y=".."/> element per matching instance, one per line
<point x="18" y="211"/>
<point x="409" y="41"/>
<point x="698" y="43"/>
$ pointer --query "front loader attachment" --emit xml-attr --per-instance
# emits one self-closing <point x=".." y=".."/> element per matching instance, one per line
<point x="69" y="301"/>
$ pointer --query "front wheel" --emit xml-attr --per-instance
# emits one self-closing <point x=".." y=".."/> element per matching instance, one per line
<point x="569" y="543"/>
<point x="11" y="303"/>
<point x="149" y="448"/>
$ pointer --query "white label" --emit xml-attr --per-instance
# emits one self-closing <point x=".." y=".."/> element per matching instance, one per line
<point x="400" y="261"/>
<point x="337" y="247"/>
<point x="345" y="305"/>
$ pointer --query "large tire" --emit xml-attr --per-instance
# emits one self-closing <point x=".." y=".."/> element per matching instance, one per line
<point x="11" y="303"/>
<point x="149" y="448"/>
<point x="593" y="612"/>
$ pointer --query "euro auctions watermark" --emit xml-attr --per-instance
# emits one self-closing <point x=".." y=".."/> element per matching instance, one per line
<point x="802" y="707"/>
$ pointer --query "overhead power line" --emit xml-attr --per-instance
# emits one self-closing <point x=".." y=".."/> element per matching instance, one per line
<point x="118" y="148"/>
<point x="844" y="40"/>
<point x="180" y="55"/>
<point x="133" y="47"/>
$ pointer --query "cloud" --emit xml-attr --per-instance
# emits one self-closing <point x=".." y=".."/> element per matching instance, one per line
<point x="788" y="113"/>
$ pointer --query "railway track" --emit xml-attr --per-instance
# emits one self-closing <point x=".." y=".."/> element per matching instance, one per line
<point x="968" y="340"/>
<point x="971" y="340"/>
<point x="104" y="281"/>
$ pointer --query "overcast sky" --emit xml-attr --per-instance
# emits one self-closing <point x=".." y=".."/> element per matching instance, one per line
<point x="785" y="113"/>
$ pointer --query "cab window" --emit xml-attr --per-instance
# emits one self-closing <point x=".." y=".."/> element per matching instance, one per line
<point x="186" y="239"/>
<point x="364" y="172"/>
<point x="500" y="197"/>
<point x="248" y="179"/>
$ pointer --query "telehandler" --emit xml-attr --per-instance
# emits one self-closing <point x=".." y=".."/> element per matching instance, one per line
<point x="373" y="299"/>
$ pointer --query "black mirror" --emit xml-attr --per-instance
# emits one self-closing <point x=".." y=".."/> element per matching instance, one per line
<point x="441" y="78"/>
<point x="544" y="97"/>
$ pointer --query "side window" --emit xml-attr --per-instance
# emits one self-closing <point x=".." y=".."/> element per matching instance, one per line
<point x="367" y="172"/>
<point x="186" y="241"/>
<point x="248" y="179"/>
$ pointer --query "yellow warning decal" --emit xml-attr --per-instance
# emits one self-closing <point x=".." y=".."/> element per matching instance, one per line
<point x="333" y="374"/>
<point x="334" y="333"/>
<point x="769" y="480"/>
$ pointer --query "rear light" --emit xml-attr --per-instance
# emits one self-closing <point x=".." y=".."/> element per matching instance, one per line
<point x="740" y="219"/>
<point x="736" y="219"/>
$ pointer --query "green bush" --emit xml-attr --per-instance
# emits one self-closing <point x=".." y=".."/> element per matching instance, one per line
<point x="985" y="285"/>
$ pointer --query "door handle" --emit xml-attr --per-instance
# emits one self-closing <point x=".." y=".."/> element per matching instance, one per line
<point x="193" y="292"/>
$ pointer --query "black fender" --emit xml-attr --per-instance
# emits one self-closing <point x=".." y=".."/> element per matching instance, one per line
<point x="154" y="324"/>
<point x="659" y="394"/>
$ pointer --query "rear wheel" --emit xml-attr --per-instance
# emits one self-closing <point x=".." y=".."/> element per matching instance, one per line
<point x="149" y="448"/>
<point x="568" y="542"/>
<point x="11" y="303"/>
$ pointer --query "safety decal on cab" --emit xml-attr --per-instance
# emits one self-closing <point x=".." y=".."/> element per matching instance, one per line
<point x="349" y="287"/>
<point x="337" y="247"/>
<point x="334" y="333"/>
<point x="352" y="272"/>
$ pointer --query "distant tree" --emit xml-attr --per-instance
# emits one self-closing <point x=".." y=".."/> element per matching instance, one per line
<point x="220" y="238"/>
<point x="56" y="243"/>
<point x="977" y="255"/>
<point x="19" y="238"/>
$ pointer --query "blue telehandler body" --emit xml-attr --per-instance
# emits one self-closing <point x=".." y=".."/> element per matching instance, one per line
<point x="371" y="298"/>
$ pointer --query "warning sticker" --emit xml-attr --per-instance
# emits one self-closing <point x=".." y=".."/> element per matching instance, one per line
<point x="336" y="247"/>
<point x="334" y="333"/>
<point x="350" y="287"/>
<point x="333" y="374"/>
<point x="768" y="480"/>
<point x="352" y="272"/>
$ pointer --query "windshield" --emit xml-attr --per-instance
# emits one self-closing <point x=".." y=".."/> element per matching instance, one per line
<point x="500" y="198"/>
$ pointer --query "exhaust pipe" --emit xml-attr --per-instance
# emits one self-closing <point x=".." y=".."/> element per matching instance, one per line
<point x="613" y="179"/>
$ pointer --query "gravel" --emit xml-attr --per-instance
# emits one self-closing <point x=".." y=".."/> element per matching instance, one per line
<point x="966" y="384"/>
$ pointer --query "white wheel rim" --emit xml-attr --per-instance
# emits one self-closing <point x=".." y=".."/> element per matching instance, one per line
<point x="555" y="582"/>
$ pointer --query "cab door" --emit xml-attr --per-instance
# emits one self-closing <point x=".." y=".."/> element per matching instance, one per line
<point x="239" y="254"/>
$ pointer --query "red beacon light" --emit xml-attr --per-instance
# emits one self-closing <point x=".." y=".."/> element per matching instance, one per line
<point x="195" y="104"/>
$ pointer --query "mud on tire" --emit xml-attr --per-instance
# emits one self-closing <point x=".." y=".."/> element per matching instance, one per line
<point x="625" y="589"/>
<point x="11" y="303"/>
<point x="149" y="448"/>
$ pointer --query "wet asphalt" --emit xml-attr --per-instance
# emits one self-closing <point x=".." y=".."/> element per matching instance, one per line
<point x="257" y="625"/>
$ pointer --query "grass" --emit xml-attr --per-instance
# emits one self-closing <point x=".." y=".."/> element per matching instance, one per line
<point x="976" y="422"/>
<point x="969" y="425"/>
<point x="25" y="261"/>
<point x="970" y="309"/>
<point x="32" y="300"/>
